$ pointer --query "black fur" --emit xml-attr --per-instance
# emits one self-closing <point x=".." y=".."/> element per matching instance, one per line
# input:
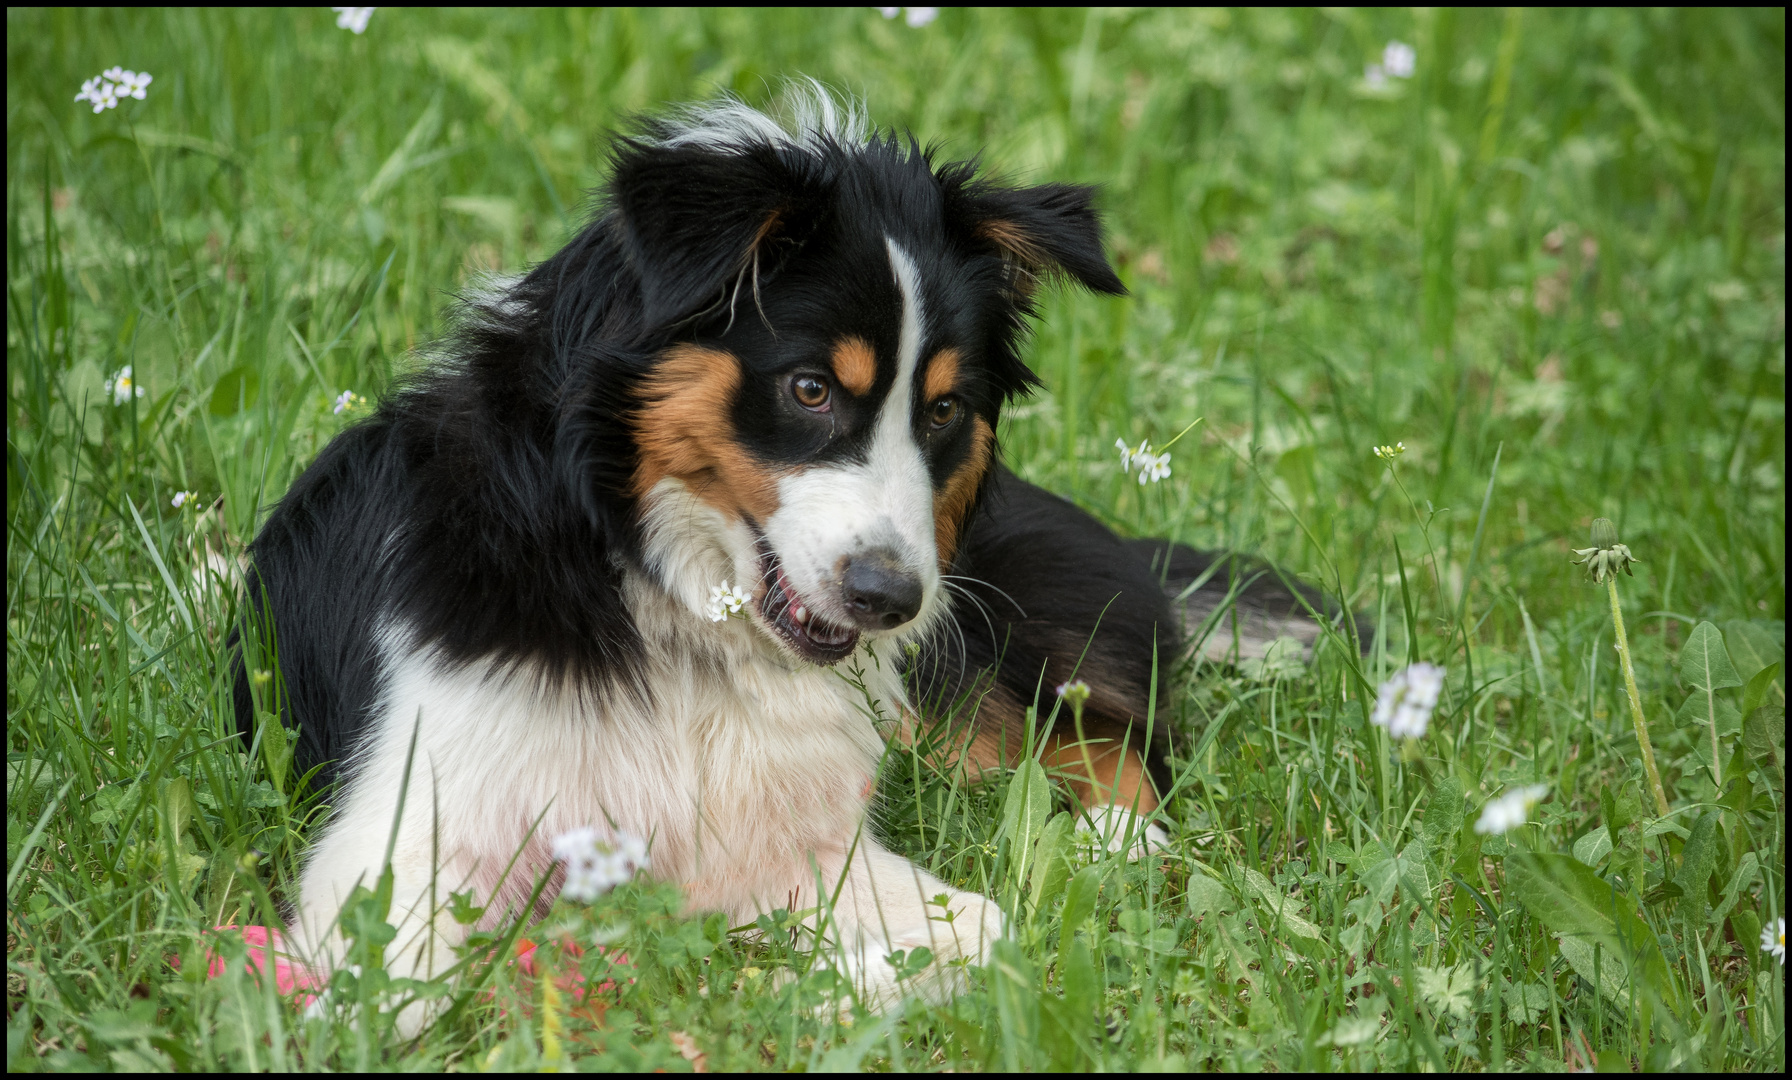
<point x="486" y="506"/>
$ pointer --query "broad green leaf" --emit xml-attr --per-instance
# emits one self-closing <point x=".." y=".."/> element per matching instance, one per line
<point x="1443" y="817"/>
<point x="1758" y="686"/>
<point x="1571" y="901"/>
<point x="1695" y="868"/>
<point x="235" y="390"/>
<point x="1618" y="808"/>
<point x="1450" y="991"/>
<point x="1025" y="810"/>
<point x="1526" y="1003"/>
<point x="1746" y="869"/>
<point x="1594" y="846"/>
<point x="1764" y="733"/>
<point x="1281" y="908"/>
<point x="1207" y="896"/>
<point x="1704" y="663"/>
<point x="1751" y="646"/>
<point x="1080" y="896"/>
<point x="1051" y="869"/>
<point x="1408" y="871"/>
<point x="177" y="806"/>
<point x="1696" y="711"/>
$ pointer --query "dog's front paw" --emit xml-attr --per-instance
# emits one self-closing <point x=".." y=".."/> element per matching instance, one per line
<point x="928" y="959"/>
<point x="1118" y="829"/>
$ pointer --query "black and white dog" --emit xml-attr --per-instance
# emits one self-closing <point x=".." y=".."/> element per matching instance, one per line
<point x="770" y="368"/>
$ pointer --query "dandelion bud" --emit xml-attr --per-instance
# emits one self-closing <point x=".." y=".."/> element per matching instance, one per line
<point x="1606" y="557"/>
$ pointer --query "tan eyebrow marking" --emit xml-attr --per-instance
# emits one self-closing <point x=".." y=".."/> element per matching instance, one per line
<point x="942" y="375"/>
<point x="855" y="365"/>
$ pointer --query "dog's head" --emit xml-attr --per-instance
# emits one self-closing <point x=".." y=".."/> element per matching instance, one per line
<point x="830" y="327"/>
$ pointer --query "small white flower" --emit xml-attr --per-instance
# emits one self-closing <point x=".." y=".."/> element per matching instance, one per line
<point x="889" y="12"/>
<point x="725" y="600"/>
<point x="1507" y="812"/>
<point x="1406" y="701"/>
<point x="116" y="74"/>
<point x="1075" y="692"/>
<point x="1154" y="468"/>
<point x="1375" y="77"/>
<point x="353" y="18"/>
<point x="1125" y="454"/>
<point x="1399" y="59"/>
<point x="346" y="401"/>
<point x="103" y="94"/>
<point x="1773" y="940"/>
<point x="121" y="386"/>
<point x="182" y="498"/>
<point x="920" y="16"/>
<point x="1390" y="452"/>
<point x="134" y="84"/>
<point x="594" y="866"/>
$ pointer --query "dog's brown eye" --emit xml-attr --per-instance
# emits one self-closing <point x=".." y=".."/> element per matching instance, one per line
<point x="945" y="410"/>
<point x="810" y="392"/>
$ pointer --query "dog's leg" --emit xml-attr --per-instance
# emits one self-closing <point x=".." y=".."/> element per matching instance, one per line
<point x="882" y="903"/>
<point x="352" y="852"/>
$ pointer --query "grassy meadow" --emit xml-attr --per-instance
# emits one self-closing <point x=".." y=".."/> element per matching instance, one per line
<point x="1548" y="261"/>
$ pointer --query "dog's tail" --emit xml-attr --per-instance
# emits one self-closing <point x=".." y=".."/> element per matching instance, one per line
<point x="1232" y="607"/>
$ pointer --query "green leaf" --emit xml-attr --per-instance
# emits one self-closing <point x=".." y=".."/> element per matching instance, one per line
<point x="1282" y="910"/>
<point x="1024" y="812"/>
<point x="1450" y="991"/>
<point x="1207" y="896"/>
<point x="1444" y="816"/>
<point x="1051" y="867"/>
<point x="235" y="390"/>
<point x="1752" y="646"/>
<point x="1704" y="663"/>
<point x="1695" y="868"/>
<point x="1764" y="734"/>
<point x="1594" y="846"/>
<point x="1696" y="711"/>
<point x="1526" y="1003"/>
<point x="1571" y="901"/>
<point x="1080" y="897"/>
<point x="1746" y="869"/>
<point x="177" y="806"/>
<point x="1758" y="685"/>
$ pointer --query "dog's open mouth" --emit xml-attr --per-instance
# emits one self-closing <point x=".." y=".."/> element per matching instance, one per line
<point x="814" y="638"/>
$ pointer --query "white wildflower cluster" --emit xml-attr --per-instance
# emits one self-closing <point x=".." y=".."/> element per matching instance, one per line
<point x="353" y="18"/>
<point x="725" y="600"/>
<point x="1507" y="812"/>
<point x="122" y="387"/>
<point x="107" y="88"/>
<point x="594" y="865"/>
<point x="1152" y="467"/>
<point x="1398" y="61"/>
<point x="347" y="401"/>
<point x="1406" y="701"/>
<point x="1389" y="453"/>
<point x="184" y="498"/>
<point x="917" y="16"/>
<point x="1773" y="940"/>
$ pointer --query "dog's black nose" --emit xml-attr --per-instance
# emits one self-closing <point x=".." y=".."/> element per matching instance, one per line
<point x="879" y="593"/>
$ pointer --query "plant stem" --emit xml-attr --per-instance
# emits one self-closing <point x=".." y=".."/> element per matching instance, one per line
<point x="1636" y="702"/>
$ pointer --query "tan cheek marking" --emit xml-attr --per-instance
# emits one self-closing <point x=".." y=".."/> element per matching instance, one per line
<point x="942" y="376"/>
<point x="855" y="365"/>
<point x="683" y="430"/>
<point x="953" y="501"/>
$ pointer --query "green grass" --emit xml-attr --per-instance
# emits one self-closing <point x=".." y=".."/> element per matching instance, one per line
<point x="1558" y="248"/>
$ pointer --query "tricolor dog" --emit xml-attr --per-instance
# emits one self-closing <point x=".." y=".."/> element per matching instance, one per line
<point x="773" y="364"/>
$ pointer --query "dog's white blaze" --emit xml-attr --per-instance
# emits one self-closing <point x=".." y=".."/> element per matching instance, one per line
<point x="828" y="512"/>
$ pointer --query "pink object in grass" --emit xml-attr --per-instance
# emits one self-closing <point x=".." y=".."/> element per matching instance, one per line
<point x="290" y="976"/>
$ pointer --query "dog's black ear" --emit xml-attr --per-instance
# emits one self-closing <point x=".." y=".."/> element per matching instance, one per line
<point x="1053" y="228"/>
<point x="692" y="219"/>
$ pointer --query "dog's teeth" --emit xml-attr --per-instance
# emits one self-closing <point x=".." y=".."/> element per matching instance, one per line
<point x="800" y="614"/>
